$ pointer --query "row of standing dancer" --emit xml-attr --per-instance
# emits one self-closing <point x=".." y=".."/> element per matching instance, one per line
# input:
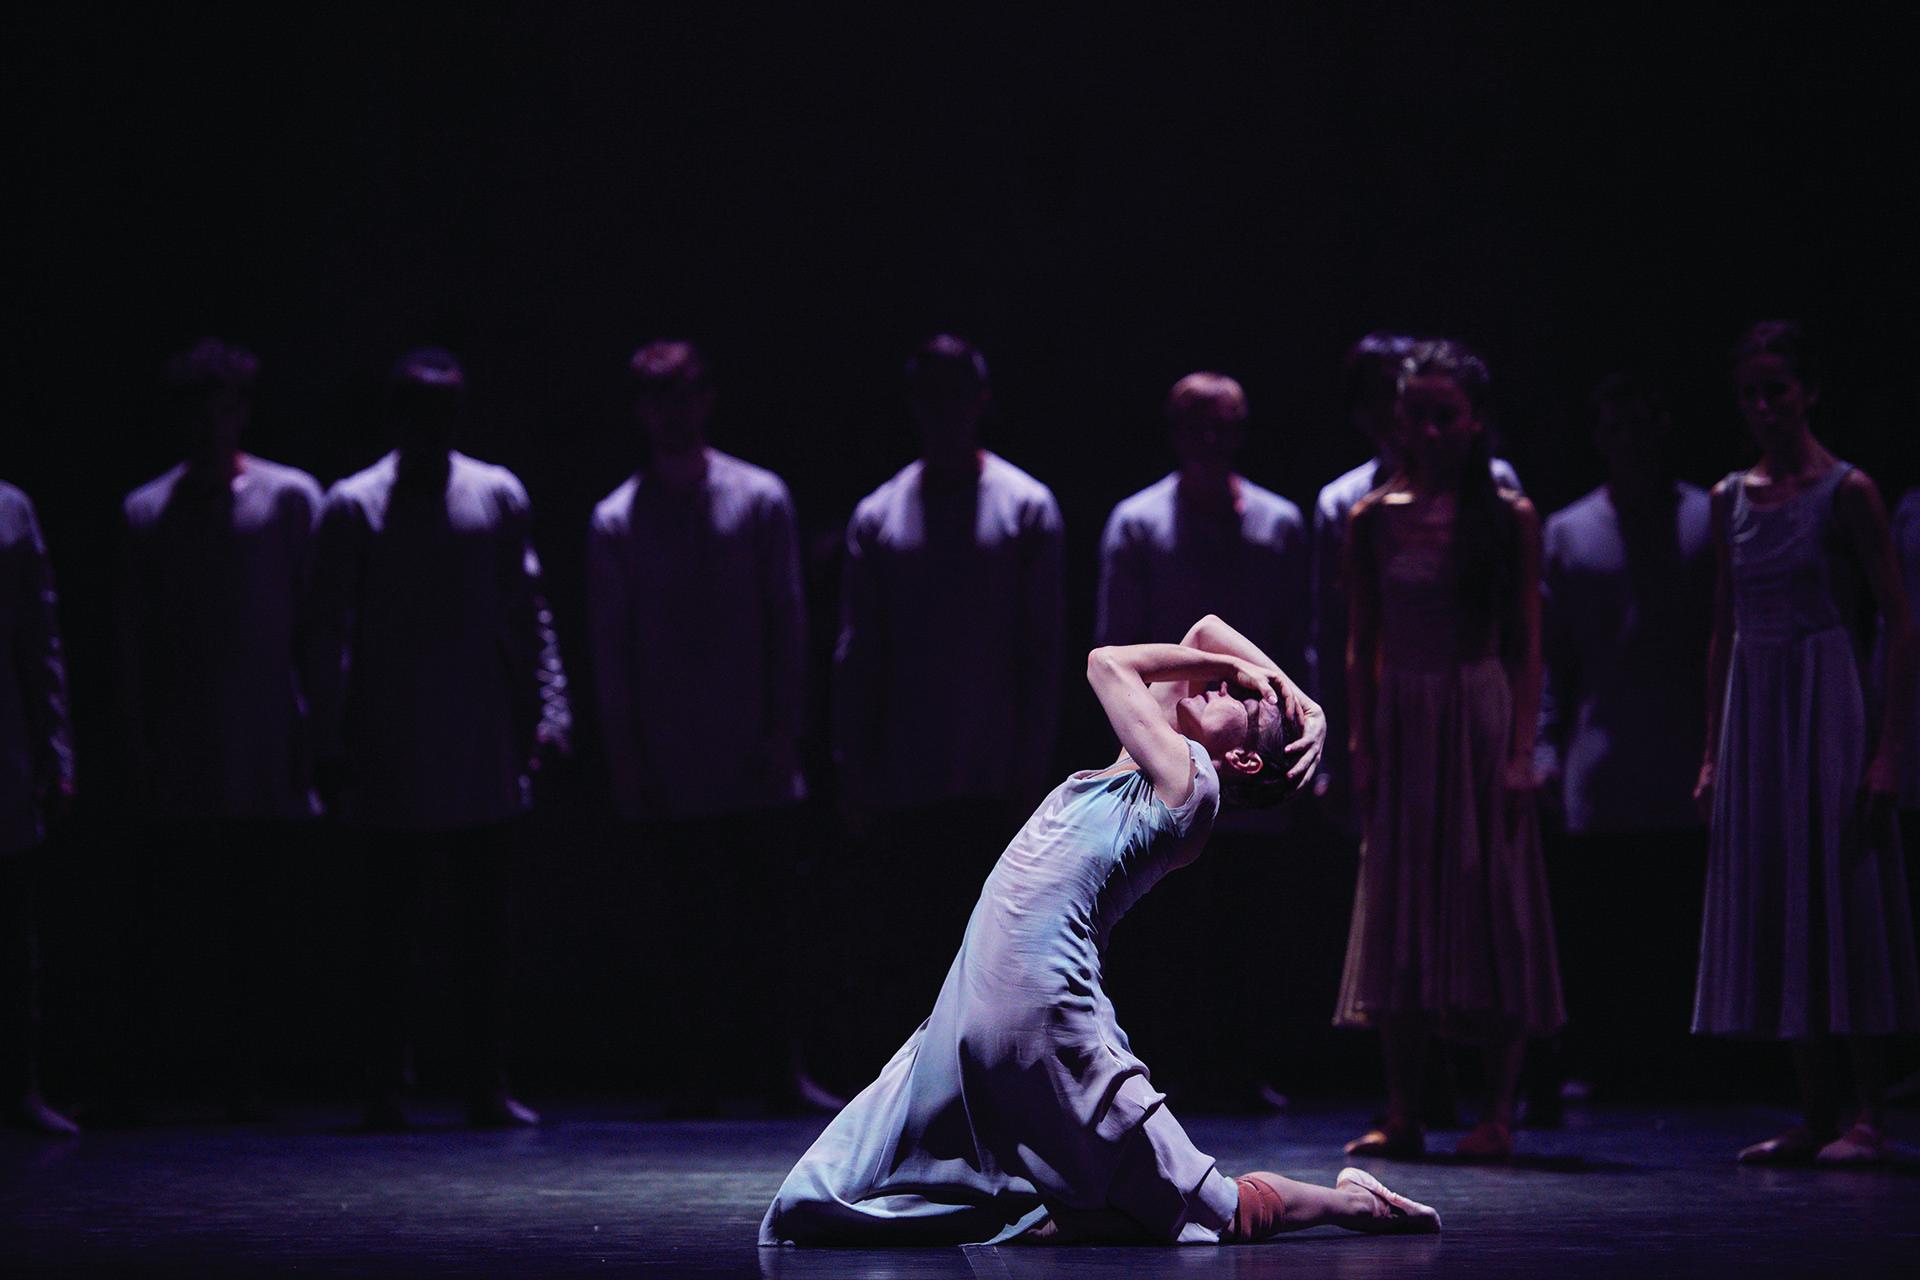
<point x="282" y="649"/>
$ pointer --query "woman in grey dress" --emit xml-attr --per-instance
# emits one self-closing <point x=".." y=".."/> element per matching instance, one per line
<point x="1807" y="935"/>
<point x="1018" y="1110"/>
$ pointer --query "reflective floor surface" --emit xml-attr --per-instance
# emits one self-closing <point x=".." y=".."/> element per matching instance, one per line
<point x="1624" y="1192"/>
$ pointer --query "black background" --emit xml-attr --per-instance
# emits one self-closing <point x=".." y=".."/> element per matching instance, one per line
<point x="1102" y="199"/>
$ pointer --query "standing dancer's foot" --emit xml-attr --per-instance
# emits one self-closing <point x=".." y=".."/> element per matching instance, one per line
<point x="1388" y="1212"/>
<point x="1396" y="1140"/>
<point x="1797" y="1145"/>
<point x="1488" y="1140"/>
<point x="1861" y="1145"/>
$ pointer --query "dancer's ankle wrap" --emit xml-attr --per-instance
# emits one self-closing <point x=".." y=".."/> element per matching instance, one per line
<point x="1260" y="1211"/>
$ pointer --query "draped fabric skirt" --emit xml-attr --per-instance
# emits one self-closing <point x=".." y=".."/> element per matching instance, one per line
<point x="1451" y="918"/>
<point x="1807" y="928"/>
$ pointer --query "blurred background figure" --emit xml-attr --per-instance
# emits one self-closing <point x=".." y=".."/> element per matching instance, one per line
<point x="437" y="692"/>
<point x="1806" y="936"/>
<point x="1452" y="934"/>
<point x="699" y="669"/>
<point x="953" y="567"/>
<point x="36" y="787"/>
<point x="1906" y="545"/>
<point x="1369" y="387"/>
<point x="1206" y="540"/>
<point x="214" y="730"/>
<point x="1626" y="583"/>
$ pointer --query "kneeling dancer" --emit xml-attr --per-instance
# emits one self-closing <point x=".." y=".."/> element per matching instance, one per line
<point x="1018" y="1111"/>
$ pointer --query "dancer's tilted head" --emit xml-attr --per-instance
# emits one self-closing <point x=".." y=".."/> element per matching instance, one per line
<point x="1774" y="383"/>
<point x="1245" y="735"/>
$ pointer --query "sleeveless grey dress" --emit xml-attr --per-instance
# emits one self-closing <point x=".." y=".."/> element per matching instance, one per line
<point x="1807" y="929"/>
<point x="1020" y="1097"/>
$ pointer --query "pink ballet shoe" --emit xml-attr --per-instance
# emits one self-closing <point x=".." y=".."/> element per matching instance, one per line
<point x="1402" y="1217"/>
<point x="1861" y="1145"/>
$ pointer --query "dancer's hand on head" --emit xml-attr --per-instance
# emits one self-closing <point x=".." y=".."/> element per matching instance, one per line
<point x="1268" y="683"/>
<point x="1311" y="743"/>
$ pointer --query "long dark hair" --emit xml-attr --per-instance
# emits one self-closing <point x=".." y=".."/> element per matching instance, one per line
<point x="1486" y="538"/>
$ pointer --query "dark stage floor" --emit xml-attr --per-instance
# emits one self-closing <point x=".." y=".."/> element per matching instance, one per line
<point x="1618" y="1192"/>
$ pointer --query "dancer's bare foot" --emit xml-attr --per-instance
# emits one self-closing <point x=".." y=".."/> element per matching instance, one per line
<point x="1385" y="1212"/>
<point x="1797" y="1145"/>
<point x="1488" y="1140"/>
<point x="1861" y="1145"/>
<point x="1396" y="1139"/>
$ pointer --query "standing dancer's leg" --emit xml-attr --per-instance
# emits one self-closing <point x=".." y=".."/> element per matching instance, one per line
<point x="1492" y="1138"/>
<point x="1403" y="1045"/>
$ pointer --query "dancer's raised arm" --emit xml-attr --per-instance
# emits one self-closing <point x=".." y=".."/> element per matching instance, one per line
<point x="1213" y="634"/>
<point x="1120" y="676"/>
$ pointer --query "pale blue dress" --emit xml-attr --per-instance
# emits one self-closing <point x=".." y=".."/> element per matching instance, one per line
<point x="1807" y="930"/>
<point x="1020" y="1097"/>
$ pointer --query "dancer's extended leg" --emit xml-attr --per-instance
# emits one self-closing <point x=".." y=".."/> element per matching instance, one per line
<point x="1271" y="1205"/>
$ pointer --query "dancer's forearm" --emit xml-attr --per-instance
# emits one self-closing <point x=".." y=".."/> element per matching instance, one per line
<point x="1168" y="663"/>
<point x="1212" y="634"/>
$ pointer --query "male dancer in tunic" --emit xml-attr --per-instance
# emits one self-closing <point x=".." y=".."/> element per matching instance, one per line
<point x="1205" y="537"/>
<point x="213" y="574"/>
<point x="1626" y="613"/>
<point x="953" y="565"/>
<point x="437" y="688"/>
<point x="697" y="533"/>
<point x="36" y="785"/>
